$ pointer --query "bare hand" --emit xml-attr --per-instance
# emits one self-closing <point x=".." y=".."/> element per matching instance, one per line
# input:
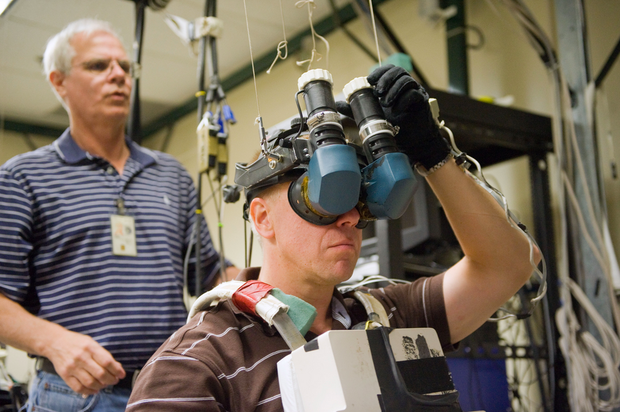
<point x="83" y="363"/>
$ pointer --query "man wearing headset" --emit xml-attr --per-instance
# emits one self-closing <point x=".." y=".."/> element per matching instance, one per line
<point x="225" y="359"/>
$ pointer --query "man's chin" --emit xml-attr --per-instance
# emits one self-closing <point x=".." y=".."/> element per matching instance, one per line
<point x="117" y="113"/>
<point x="343" y="272"/>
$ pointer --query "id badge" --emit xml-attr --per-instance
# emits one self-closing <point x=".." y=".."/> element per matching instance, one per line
<point x="123" y="235"/>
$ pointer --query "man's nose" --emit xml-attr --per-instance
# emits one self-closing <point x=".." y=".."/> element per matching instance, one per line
<point x="351" y="218"/>
<point x="117" y="72"/>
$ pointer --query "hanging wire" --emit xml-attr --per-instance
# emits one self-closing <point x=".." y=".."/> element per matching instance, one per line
<point x="259" y="119"/>
<point x="374" y="30"/>
<point x="282" y="45"/>
<point x="218" y="203"/>
<point x="311" y="5"/>
<point x="247" y="25"/>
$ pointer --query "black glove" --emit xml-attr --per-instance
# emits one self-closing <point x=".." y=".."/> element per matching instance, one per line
<point x="405" y="104"/>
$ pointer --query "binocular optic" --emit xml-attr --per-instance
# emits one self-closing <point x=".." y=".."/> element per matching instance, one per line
<point x="331" y="174"/>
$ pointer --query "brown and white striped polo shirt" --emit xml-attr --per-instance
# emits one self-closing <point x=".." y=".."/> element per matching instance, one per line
<point x="225" y="360"/>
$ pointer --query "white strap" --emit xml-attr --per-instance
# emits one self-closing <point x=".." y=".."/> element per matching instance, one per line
<point x="220" y="292"/>
<point x="269" y="308"/>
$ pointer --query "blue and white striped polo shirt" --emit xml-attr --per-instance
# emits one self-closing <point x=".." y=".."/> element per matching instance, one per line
<point x="56" y="251"/>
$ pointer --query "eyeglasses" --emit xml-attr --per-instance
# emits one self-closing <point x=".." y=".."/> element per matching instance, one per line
<point x="101" y="65"/>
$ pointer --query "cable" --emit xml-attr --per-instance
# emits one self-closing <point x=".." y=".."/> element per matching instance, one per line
<point x="247" y="24"/>
<point x="311" y="5"/>
<point x="592" y="366"/>
<point x="462" y="159"/>
<point x="245" y="244"/>
<point x="6" y="383"/>
<point x="220" y="227"/>
<point x="349" y="34"/>
<point x="251" y="243"/>
<point x="374" y="30"/>
<point x="282" y="45"/>
<point x="186" y="295"/>
<point x="219" y="210"/>
<point x="192" y="243"/>
<point x="597" y="365"/>
<point x="393" y="44"/>
<point x="371" y="279"/>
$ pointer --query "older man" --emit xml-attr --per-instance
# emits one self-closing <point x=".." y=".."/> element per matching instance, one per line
<point x="95" y="230"/>
<point x="225" y="359"/>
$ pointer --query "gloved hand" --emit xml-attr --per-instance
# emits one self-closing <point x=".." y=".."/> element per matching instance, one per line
<point x="405" y="104"/>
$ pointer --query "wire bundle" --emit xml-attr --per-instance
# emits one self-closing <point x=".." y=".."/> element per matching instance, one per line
<point x="593" y="366"/>
<point x="596" y="365"/>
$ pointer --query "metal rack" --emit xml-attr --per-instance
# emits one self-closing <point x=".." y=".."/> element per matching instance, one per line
<point x="493" y="134"/>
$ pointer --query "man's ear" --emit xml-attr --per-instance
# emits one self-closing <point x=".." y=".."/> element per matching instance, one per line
<point x="57" y="79"/>
<point x="260" y="214"/>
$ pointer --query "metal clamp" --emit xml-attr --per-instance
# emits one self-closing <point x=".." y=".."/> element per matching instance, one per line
<point x="376" y="126"/>
<point x="323" y="117"/>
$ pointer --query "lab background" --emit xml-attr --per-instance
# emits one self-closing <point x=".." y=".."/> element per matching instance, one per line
<point x="502" y="67"/>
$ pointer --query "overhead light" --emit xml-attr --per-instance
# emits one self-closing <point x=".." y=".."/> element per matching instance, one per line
<point x="4" y="6"/>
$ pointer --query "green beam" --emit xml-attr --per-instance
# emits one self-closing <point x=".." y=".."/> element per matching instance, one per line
<point x="458" y="66"/>
<point x="30" y="128"/>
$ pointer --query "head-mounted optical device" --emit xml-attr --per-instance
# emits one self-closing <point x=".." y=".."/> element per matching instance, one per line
<point x="331" y="174"/>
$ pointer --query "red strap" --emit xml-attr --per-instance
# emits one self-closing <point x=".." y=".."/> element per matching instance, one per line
<point x="248" y="295"/>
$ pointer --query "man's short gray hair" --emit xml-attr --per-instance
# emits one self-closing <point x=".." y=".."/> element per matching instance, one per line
<point x="59" y="51"/>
